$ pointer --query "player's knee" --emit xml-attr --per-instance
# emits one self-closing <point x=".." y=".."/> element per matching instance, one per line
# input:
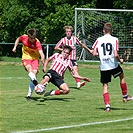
<point x="66" y="91"/>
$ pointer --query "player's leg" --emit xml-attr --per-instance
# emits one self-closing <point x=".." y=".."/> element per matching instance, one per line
<point x="32" y="69"/>
<point x="59" y="82"/>
<point x="105" y="78"/>
<point x="79" y="84"/>
<point x="119" y="72"/>
<point x="124" y="89"/>
<point x="106" y="97"/>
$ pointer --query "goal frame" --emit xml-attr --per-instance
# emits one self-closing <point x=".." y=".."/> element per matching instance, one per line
<point x="91" y="9"/>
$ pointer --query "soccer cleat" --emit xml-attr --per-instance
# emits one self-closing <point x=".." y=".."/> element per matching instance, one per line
<point x="127" y="98"/>
<point x="48" y="93"/>
<point x="107" y="109"/>
<point x="80" y="84"/>
<point x="28" y="98"/>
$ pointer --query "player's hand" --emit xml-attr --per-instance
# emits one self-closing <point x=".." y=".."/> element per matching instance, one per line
<point x="121" y="61"/>
<point x="87" y="79"/>
<point x="44" y="69"/>
<point x="14" y="50"/>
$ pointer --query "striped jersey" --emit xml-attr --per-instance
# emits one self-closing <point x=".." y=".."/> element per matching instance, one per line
<point x="73" y="41"/>
<point x="105" y="47"/>
<point x="59" y="64"/>
<point x="30" y="49"/>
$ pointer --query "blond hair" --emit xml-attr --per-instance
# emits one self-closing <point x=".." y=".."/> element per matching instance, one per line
<point x="68" y="27"/>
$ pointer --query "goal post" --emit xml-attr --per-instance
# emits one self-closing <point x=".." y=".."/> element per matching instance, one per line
<point x="89" y="26"/>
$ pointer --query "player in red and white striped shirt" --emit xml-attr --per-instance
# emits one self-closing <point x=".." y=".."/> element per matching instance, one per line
<point x="60" y="63"/>
<point x="71" y="41"/>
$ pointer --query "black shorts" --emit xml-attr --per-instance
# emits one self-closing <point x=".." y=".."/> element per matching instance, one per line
<point x="55" y="78"/>
<point x="106" y="75"/>
<point x="74" y="63"/>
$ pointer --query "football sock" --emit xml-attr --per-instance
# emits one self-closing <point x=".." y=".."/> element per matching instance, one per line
<point x="32" y="76"/>
<point x="106" y="98"/>
<point x="56" y="92"/>
<point x="77" y="80"/>
<point x="31" y="88"/>
<point x="124" y="89"/>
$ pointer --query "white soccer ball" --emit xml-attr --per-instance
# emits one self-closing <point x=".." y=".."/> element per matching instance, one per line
<point x="39" y="89"/>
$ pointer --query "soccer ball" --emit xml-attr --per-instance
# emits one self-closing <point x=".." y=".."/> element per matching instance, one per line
<point x="39" y="89"/>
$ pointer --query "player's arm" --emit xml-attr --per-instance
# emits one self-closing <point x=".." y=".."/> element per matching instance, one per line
<point x="95" y="53"/>
<point x="42" y="56"/>
<point x="58" y="46"/>
<point x="117" y="57"/>
<point x="45" y="64"/>
<point x="84" y="46"/>
<point x="76" y="75"/>
<point x="15" y="45"/>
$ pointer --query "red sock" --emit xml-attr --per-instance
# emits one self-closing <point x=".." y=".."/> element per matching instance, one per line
<point x="77" y="80"/>
<point x="57" y="92"/>
<point x="106" y="98"/>
<point x="123" y="88"/>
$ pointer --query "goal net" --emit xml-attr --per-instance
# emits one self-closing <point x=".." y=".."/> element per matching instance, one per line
<point x="89" y="26"/>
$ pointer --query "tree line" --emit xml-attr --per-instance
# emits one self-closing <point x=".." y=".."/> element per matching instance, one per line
<point x="48" y="17"/>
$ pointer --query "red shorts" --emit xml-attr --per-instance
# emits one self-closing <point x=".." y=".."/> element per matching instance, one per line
<point x="33" y="63"/>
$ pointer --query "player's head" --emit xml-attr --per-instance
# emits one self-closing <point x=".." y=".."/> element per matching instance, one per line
<point x="68" y="30"/>
<point x="107" y="28"/>
<point x="31" y="34"/>
<point x="66" y="51"/>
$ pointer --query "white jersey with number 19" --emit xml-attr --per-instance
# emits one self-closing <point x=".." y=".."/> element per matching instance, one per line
<point x="105" y="47"/>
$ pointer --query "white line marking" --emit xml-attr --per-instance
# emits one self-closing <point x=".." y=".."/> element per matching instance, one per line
<point x="72" y="126"/>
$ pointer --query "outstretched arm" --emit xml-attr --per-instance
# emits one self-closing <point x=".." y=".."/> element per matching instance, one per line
<point x="45" y="64"/>
<point x="76" y="75"/>
<point x="15" y="45"/>
<point x="84" y="46"/>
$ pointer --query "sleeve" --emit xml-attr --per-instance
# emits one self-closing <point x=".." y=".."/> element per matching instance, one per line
<point x="77" y="41"/>
<point x="116" y="45"/>
<point x="70" y="66"/>
<point x="21" y="38"/>
<point x="95" y="45"/>
<point x="38" y="44"/>
<point x="53" y="56"/>
<point x="60" y="43"/>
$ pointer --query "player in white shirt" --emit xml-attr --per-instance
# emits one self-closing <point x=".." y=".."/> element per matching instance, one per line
<point x="72" y="41"/>
<point x="60" y="63"/>
<point x="106" y="47"/>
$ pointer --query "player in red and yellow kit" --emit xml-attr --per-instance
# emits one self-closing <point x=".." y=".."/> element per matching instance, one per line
<point x="31" y="52"/>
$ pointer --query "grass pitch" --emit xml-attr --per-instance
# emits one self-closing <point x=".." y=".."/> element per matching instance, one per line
<point x="81" y="111"/>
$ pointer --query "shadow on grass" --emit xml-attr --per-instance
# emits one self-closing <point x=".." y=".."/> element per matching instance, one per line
<point x="73" y="87"/>
<point x="42" y="99"/>
<point x="115" y="108"/>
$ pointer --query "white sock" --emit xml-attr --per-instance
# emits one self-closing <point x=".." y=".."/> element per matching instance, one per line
<point x="52" y="93"/>
<point x="31" y="88"/>
<point x="32" y="76"/>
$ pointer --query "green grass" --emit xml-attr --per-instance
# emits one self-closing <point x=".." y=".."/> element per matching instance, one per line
<point x="80" y="106"/>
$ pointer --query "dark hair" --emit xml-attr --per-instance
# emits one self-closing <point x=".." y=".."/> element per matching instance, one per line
<point x="107" y="27"/>
<point x="31" y="33"/>
<point x="68" y="47"/>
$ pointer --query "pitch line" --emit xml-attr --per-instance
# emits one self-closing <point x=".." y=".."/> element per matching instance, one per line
<point x="72" y="126"/>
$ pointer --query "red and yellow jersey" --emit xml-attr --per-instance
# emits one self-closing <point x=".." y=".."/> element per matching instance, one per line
<point x="30" y="50"/>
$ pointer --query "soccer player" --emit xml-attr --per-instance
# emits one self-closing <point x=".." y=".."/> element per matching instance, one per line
<point x="31" y="52"/>
<point x="106" y="47"/>
<point x="60" y="63"/>
<point x="72" y="41"/>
